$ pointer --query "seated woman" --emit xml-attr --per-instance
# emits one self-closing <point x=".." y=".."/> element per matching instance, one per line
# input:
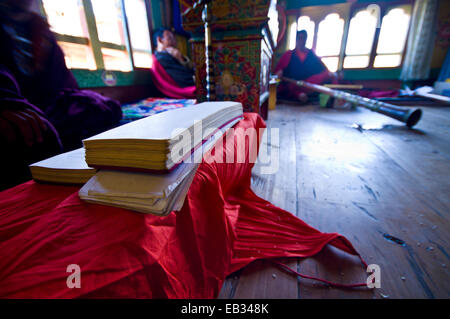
<point x="38" y="94"/>
<point x="301" y="64"/>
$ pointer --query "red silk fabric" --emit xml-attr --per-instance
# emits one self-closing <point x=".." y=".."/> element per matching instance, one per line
<point x="166" y="85"/>
<point x="292" y="90"/>
<point x="222" y="227"/>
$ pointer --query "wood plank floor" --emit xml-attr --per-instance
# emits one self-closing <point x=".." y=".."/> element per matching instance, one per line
<point x="368" y="177"/>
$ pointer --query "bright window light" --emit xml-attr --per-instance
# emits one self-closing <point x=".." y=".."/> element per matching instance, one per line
<point x="331" y="63"/>
<point x="356" y="61"/>
<point x="394" y="29"/>
<point x="138" y="24"/>
<point x="361" y="33"/>
<point x="66" y="17"/>
<point x="116" y="60"/>
<point x="329" y="35"/>
<point x="142" y="60"/>
<point x="387" y="60"/>
<point x="108" y="17"/>
<point x="77" y="56"/>
<point x="292" y="36"/>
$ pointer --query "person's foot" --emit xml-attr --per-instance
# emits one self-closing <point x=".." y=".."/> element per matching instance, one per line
<point x="303" y="98"/>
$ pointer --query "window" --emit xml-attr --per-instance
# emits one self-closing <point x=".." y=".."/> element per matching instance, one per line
<point x="394" y="29"/>
<point x="360" y="39"/>
<point x="101" y="34"/>
<point x="77" y="56"/>
<point x="67" y="20"/>
<point x="292" y="36"/>
<point x="66" y="17"/>
<point x="111" y="34"/>
<point x="305" y="23"/>
<point x="329" y="38"/>
<point x="374" y="36"/>
<point x="139" y="32"/>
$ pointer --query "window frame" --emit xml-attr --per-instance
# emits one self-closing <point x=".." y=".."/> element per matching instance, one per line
<point x="343" y="38"/>
<point x="384" y="6"/>
<point x="354" y="10"/>
<point x="94" y="42"/>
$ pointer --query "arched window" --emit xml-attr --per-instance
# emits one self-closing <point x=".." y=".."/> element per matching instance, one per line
<point x="391" y="43"/>
<point x="360" y="38"/>
<point x="305" y="23"/>
<point x="292" y="35"/>
<point x="329" y="38"/>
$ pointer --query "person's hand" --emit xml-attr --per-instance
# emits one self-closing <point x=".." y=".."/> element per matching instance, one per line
<point x="26" y="124"/>
<point x="334" y="77"/>
<point x="176" y="54"/>
<point x="279" y="74"/>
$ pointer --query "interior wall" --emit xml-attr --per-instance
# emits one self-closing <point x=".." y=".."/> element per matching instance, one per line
<point x="156" y="14"/>
<point x="443" y="35"/>
<point x="317" y="13"/>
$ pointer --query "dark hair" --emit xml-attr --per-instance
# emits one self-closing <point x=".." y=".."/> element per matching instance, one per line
<point x="300" y="32"/>
<point x="159" y="33"/>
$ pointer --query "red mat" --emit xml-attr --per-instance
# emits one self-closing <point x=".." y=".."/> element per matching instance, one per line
<point x="222" y="227"/>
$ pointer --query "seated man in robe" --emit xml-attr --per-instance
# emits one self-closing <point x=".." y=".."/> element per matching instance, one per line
<point x="172" y="60"/>
<point x="42" y="110"/>
<point x="301" y="64"/>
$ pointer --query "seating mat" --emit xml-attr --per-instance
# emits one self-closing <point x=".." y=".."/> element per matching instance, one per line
<point x="151" y="106"/>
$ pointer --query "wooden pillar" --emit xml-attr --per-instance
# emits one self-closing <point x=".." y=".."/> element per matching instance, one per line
<point x="242" y="49"/>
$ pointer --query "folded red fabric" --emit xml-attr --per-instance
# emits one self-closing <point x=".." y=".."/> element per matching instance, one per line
<point x="166" y="85"/>
<point x="221" y="228"/>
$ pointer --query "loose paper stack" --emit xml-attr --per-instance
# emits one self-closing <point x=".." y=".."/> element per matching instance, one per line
<point x="147" y="165"/>
<point x="157" y="194"/>
<point x="159" y="142"/>
<point x="142" y="192"/>
<point x="66" y="168"/>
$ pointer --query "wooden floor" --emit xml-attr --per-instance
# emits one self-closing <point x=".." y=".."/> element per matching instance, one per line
<point x="366" y="176"/>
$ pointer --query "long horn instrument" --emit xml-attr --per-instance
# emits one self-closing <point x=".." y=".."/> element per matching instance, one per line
<point x="408" y="116"/>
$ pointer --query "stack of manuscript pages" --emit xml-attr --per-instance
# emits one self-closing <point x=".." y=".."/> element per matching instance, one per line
<point x="65" y="168"/>
<point x="160" y="142"/>
<point x="146" y="165"/>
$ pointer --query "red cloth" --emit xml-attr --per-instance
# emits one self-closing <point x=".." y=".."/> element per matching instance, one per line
<point x="316" y="68"/>
<point x="222" y="227"/>
<point x="166" y="85"/>
<point x="284" y="61"/>
<point x="373" y="94"/>
<point x="291" y="90"/>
